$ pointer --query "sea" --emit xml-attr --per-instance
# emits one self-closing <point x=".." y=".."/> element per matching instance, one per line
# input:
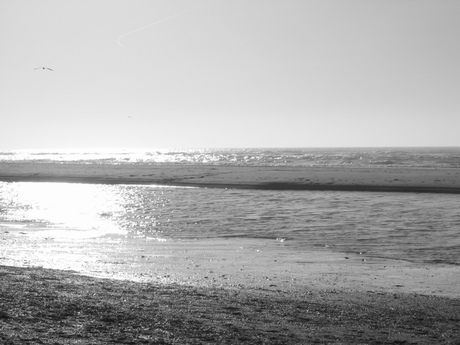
<point x="417" y="227"/>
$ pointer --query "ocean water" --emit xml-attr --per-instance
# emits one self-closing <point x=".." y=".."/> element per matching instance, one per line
<point x="423" y="228"/>
<point x="430" y="157"/>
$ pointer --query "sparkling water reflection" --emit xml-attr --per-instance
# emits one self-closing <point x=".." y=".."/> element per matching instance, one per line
<point x="416" y="227"/>
<point x="72" y="210"/>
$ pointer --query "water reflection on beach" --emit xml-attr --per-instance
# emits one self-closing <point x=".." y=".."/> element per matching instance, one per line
<point x="415" y="227"/>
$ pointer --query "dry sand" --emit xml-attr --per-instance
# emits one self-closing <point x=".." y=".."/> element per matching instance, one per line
<point x="54" y="307"/>
<point x="217" y="292"/>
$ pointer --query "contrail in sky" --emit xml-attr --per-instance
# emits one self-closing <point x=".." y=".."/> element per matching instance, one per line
<point x="152" y="24"/>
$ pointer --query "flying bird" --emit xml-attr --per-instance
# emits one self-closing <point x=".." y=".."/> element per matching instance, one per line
<point x="44" y="68"/>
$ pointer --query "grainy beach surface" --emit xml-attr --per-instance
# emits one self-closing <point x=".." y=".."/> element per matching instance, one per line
<point x="41" y="306"/>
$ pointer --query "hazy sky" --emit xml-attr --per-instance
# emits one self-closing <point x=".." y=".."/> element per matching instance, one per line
<point x="229" y="73"/>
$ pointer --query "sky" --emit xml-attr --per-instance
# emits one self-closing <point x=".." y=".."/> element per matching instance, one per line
<point x="229" y="73"/>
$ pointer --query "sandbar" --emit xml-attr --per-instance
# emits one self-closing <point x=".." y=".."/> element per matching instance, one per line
<point x="379" y="179"/>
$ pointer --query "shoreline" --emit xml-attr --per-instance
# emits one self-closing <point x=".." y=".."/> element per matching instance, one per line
<point x="413" y="180"/>
<point x="268" y="264"/>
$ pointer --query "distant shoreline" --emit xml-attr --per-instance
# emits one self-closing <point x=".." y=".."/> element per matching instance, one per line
<point x="412" y="180"/>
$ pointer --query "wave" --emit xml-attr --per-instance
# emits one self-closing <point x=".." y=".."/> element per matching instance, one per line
<point x="352" y="157"/>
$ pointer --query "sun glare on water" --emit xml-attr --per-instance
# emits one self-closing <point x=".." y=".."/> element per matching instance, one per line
<point x="65" y="209"/>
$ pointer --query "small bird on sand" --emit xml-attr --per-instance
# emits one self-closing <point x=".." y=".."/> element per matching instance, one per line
<point x="44" y="68"/>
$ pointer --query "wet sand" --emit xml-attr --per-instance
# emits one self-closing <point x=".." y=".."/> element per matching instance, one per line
<point x="225" y="263"/>
<point x="259" y="177"/>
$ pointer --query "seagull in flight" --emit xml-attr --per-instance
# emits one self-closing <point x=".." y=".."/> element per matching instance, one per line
<point x="44" y="68"/>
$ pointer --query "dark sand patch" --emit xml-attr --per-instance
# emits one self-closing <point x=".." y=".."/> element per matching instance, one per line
<point x="39" y="306"/>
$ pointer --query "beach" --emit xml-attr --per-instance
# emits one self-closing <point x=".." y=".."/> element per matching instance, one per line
<point x="230" y="172"/>
<point x="222" y="291"/>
